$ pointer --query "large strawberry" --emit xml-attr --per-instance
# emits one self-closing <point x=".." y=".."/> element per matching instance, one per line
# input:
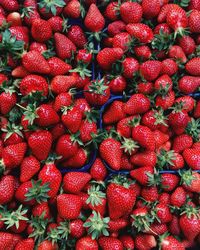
<point x="41" y="30"/>
<point x="131" y="12"/>
<point x="150" y="70"/>
<point x="106" y="57"/>
<point x="58" y="66"/>
<point x="192" y="66"/>
<point x="29" y="167"/>
<point x="190" y="180"/>
<point x="137" y="104"/>
<point x="192" y="158"/>
<point x="140" y="31"/>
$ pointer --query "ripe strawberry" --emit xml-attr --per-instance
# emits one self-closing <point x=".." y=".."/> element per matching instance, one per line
<point x="41" y="30"/>
<point x="72" y="9"/>
<point x="58" y="67"/>
<point x="98" y="170"/>
<point x="163" y="213"/>
<point x="150" y="70"/>
<point x="86" y="242"/>
<point x="7" y="101"/>
<point x="150" y="9"/>
<point x="137" y="104"/>
<point x="193" y="21"/>
<point x="182" y="142"/>
<point x="19" y="72"/>
<point x="174" y="227"/>
<point x="110" y="148"/>
<point x="107" y="243"/>
<point x="25" y="244"/>
<point x="190" y="180"/>
<point x="66" y="147"/>
<point x="32" y="83"/>
<point x="46" y="116"/>
<point x="64" y="46"/>
<point x="13" y="155"/>
<point x="84" y="56"/>
<point x="6" y="183"/>
<point x="150" y="194"/>
<point x="60" y="84"/>
<point x="130" y="67"/>
<point x="188" y="101"/>
<point x="178" y="197"/>
<point x="69" y="206"/>
<point x="141" y="174"/>
<point x="40" y="209"/>
<point x="77" y="36"/>
<point x="46" y="244"/>
<point x="188" y="84"/>
<point x="124" y="126"/>
<point x="23" y="190"/>
<point x="145" y="242"/>
<point x="140" y="31"/>
<point x="57" y="24"/>
<point x="118" y="224"/>
<point x="169" y="242"/>
<point x="112" y="11"/>
<point x="29" y="167"/>
<point x="131" y="12"/>
<point x="192" y="66"/>
<point x="40" y="47"/>
<point x="155" y="120"/>
<point x="116" y="27"/>
<point x="106" y="57"/>
<point x="21" y="34"/>
<point x="87" y="129"/>
<point x="121" y="40"/>
<point x="35" y="142"/>
<point x="145" y="88"/>
<point x="177" y="53"/>
<point x="165" y="102"/>
<point x="8" y="240"/>
<point x="127" y="242"/>
<point x="188" y="45"/>
<point x="72" y="118"/>
<point x="169" y="67"/>
<point x="144" y="158"/>
<point x="114" y="113"/>
<point x="51" y="175"/>
<point x="94" y="21"/>
<point x="62" y="100"/>
<point x="143" y="52"/>
<point x="74" y="182"/>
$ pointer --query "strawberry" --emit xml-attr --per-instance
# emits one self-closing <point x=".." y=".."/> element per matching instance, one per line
<point x="57" y="23"/>
<point x="150" y="69"/>
<point x="46" y="244"/>
<point x="75" y="32"/>
<point x="178" y="197"/>
<point x="58" y="67"/>
<point x="6" y="183"/>
<point x="131" y="108"/>
<point x="86" y="242"/>
<point x="62" y="100"/>
<point x="174" y="227"/>
<point x="106" y="57"/>
<point x="121" y="40"/>
<point x="49" y="9"/>
<point x="169" y="181"/>
<point x="140" y="31"/>
<point x="144" y="136"/>
<point x="115" y="113"/>
<point x="29" y="167"/>
<point x="124" y="126"/>
<point x="19" y="72"/>
<point x="64" y="46"/>
<point x="116" y="27"/>
<point x="130" y="67"/>
<point x="21" y="34"/>
<point x="145" y="242"/>
<point x="24" y="196"/>
<point x="14" y="18"/>
<point x="94" y="21"/>
<point x="112" y="11"/>
<point x="143" y="52"/>
<point x="188" y="101"/>
<point x="163" y="213"/>
<point x="51" y="175"/>
<point x="150" y="9"/>
<point x="192" y="66"/>
<point x="107" y="243"/>
<point x="98" y="170"/>
<point x="13" y="155"/>
<point x="69" y="206"/>
<point x="190" y="223"/>
<point x="46" y="116"/>
<point x="169" y="242"/>
<point x="66" y="147"/>
<point x="188" y="84"/>
<point x="177" y="53"/>
<point x="60" y="84"/>
<point x="8" y="100"/>
<point x="40" y="47"/>
<point x="76" y="161"/>
<point x="84" y="56"/>
<point x="169" y="67"/>
<point x="144" y="158"/>
<point x="182" y="142"/>
<point x="110" y="148"/>
<point x="194" y="4"/>
<point x="72" y="9"/>
<point x="127" y="242"/>
<point x="178" y="117"/>
<point x="141" y="174"/>
<point x="41" y="30"/>
<point x="40" y="209"/>
<point x="72" y="118"/>
<point x="190" y="180"/>
<point x="32" y="83"/>
<point x="8" y="240"/>
<point x="149" y="194"/>
<point x="187" y="43"/>
<point x="118" y="224"/>
<point x="193" y="21"/>
<point x="74" y="182"/>
<point x="165" y="101"/>
<point x="26" y="243"/>
<point x="87" y="129"/>
<point x="76" y="228"/>
<point x="39" y="149"/>
<point x="131" y="12"/>
<point x="155" y="119"/>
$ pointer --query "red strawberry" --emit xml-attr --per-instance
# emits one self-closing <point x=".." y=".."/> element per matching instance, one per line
<point x="174" y="227"/>
<point x="46" y="116"/>
<point x="124" y="126"/>
<point x="130" y="67"/>
<point x="58" y="67"/>
<point x="188" y="101"/>
<point x="60" y="84"/>
<point x="74" y="182"/>
<point x="24" y="189"/>
<point x="150" y="70"/>
<point x="13" y="155"/>
<point x="32" y="83"/>
<point x="25" y="244"/>
<point x="143" y="52"/>
<point x="51" y="175"/>
<point x="94" y="21"/>
<point x="46" y="244"/>
<point x="177" y="53"/>
<point x="116" y="27"/>
<point x="188" y="84"/>
<point x="178" y="197"/>
<point x="40" y="47"/>
<point x="76" y="161"/>
<point x="141" y="174"/>
<point x="110" y="150"/>
<point x="137" y="104"/>
<point x="19" y="72"/>
<point x="144" y="158"/>
<point x="150" y="9"/>
<point x="106" y="57"/>
<point x="77" y="36"/>
<point x="72" y="9"/>
<point x="192" y="66"/>
<point x="112" y="11"/>
<point x="86" y="242"/>
<point x="107" y="243"/>
<point x="42" y="208"/>
<point x="69" y="206"/>
<point x="121" y="40"/>
<point x="193" y="20"/>
<point x="8" y="240"/>
<point x="87" y="129"/>
<point x="72" y="118"/>
<point x="62" y="100"/>
<point x="190" y="180"/>
<point x="163" y="213"/>
<point x="7" y="101"/>
<point x="131" y="12"/>
<point x="41" y="30"/>
<point x="182" y="142"/>
<point x="140" y="31"/>
<point x="118" y="224"/>
<point x="192" y="158"/>
<point x="169" y="67"/>
<point x="35" y="142"/>
<point x="145" y="242"/>
<point x="65" y="146"/>
<point x="169" y="181"/>
<point x="29" y="167"/>
<point x="114" y="113"/>
<point x="166" y="101"/>
<point x="98" y="170"/>
<point x="6" y="183"/>
<point x="64" y="46"/>
<point x="127" y="241"/>
<point x="187" y="43"/>
<point x="21" y="34"/>
<point x="169" y="243"/>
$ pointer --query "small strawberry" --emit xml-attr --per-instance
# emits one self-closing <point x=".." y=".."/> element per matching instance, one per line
<point x="178" y="197"/>
<point x="8" y="99"/>
<point x="169" y="67"/>
<point x="114" y="113"/>
<point x="116" y="27"/>
<point x="144" y="158"/>
<point x="169" y="242"/>
<point x="46" y="116"/>
<point x="19" y="72"/>
<point x="177" y="53"/>
<point x="150" y="9"/>
<point x="182" y="142"/>
<point x="75" y="32"/>
<point x="72" y="118"/>
<point x="98" y="170"/>
<point x="7" y="183"/>
<point x="192" y="158"/>
<point x="41" y="30"/>
<point x="124" y="126"/>
<point x="141" y="174"/>
<point x="29" y="167"/>
<point x="166" y="101"/>
<point x="127" y="241"/>
<point x="35" y="142"/>
<point x="62" y="100"/>
<point x="187" y="43"/>
<point x="69" y="206"/>
<point x="88" y="127"/>
<point x="130" y="67"/>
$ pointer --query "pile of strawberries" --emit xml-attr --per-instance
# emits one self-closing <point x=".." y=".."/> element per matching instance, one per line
<point x="100" y="124"/>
